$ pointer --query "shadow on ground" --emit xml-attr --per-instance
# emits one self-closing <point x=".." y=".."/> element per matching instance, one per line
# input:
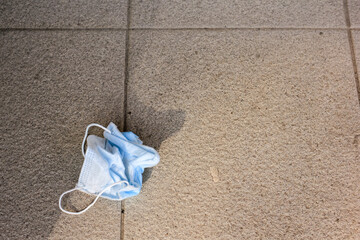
<point x="153" y="127"/>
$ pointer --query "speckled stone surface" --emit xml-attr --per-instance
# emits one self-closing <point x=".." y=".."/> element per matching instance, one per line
<point x="356" y="40"/>
<point x="356" y="36"/>
<point x="256" y="121"/>
<point x="53" y="84"/>
<point x="261" y="141"/>
<point x="63" y="13"/>
<point x="354" y="12"/>
<point x="236" y="13"/>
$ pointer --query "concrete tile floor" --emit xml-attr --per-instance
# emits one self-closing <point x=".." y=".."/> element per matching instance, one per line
<point x="354" y="8"/>
<point x="253" y="106"/>
<point x="267" y="142"/>
<point x="240" y="13"/>
<point x="53" y="84"/>
<point x="63" y="14"/>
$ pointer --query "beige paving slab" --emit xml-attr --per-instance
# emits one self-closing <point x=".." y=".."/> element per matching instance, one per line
<point x="236" y="13"/>
<point x="63" y="14"/>
<point x="261" y="135"/>
<point x="354" y="12"/>
<point x="53" y="84"/>
<point x="356" y="40"/>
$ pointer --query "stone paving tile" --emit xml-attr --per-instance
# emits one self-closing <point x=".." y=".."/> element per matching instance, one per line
<point x="63" y="14"/>
<point x="354" y="12"/>
<point x="356" y="36"/>
<point x="256" y="131"/>
<point x="356" y="40"/>
<point x="236" y="13"/>
<point x="53" y="84"/>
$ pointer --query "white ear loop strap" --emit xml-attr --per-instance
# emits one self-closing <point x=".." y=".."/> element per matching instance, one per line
<point x="86" y="133"/>
<point x="93" y="202"/>
<point x="71" y="190"/>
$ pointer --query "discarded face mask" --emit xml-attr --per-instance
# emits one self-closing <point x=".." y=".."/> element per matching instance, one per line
<point x="113" y="165"/>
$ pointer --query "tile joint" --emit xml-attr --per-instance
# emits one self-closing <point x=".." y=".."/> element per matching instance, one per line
<point x="180" y="29"/>
<point x="126" y="80"/>
<point x="352" y="48"/>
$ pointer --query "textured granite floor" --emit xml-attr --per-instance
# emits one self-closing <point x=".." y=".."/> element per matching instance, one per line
<point x="253" y="106"/>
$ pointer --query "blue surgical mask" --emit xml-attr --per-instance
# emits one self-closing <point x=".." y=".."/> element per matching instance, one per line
<point x="113" y="165"/>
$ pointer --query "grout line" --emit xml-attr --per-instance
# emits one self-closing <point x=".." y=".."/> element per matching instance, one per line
<point x="126" y="80"/>
<point x="346" y="12"/>
<point x="240" y="28"/>
<point x="126" y="73"/>
<point x="352" y="48"/>
<point x="176" y="29"/>
<point x="122" y="224"/>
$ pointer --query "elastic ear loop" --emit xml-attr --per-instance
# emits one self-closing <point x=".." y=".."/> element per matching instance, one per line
<point x="92" y="203"/>
<point x="71" y="190"/>
<point x="86" y="133"/>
